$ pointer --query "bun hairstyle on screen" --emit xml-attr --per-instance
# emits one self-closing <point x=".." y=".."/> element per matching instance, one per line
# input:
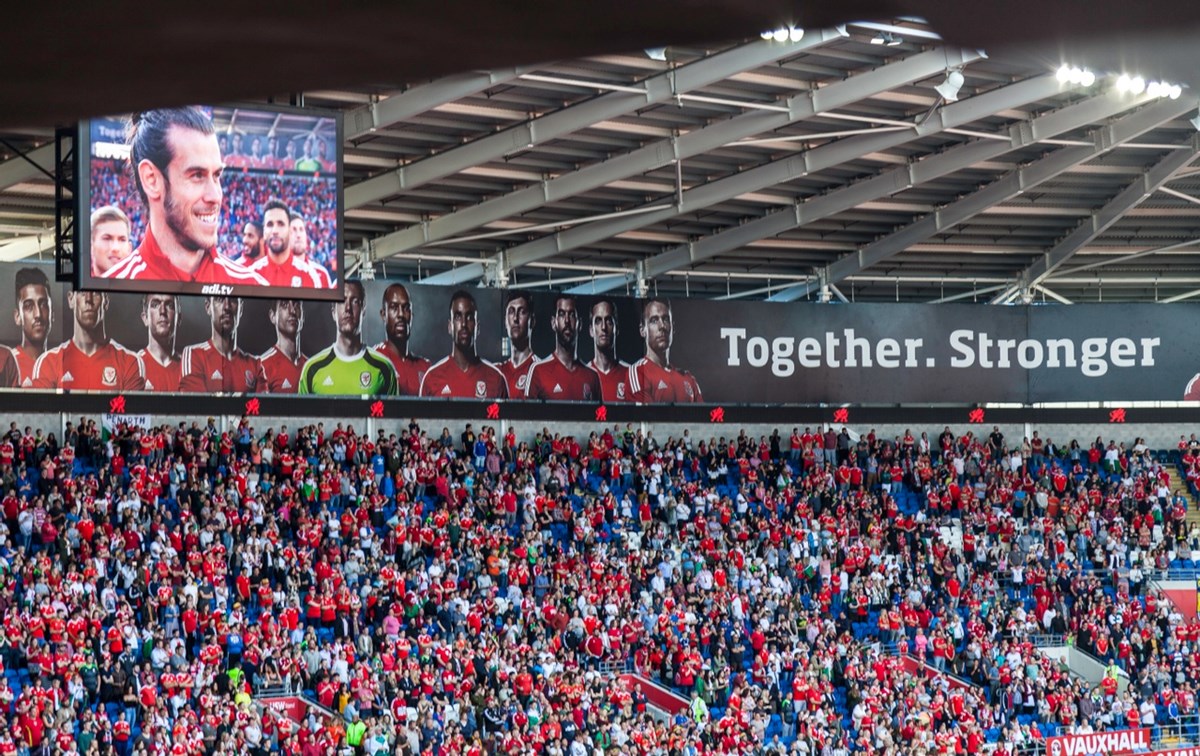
<point x="147" y="137"/>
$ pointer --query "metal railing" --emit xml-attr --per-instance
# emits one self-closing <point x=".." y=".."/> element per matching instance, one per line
<point x="1046" y="639"/>
<point x="615" y="667"/>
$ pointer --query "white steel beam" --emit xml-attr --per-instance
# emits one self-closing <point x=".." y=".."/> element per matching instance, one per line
<point x="17" y="169"/>
<point x="423" y="98"/>
<point x="905" y="177"/>
<point x="663" y="152"/>
<point x="26" y="246"/>
<point x="554" y="125"/>
<point x="1020" y="180"/>
<point x="802" y="164"/>
<point x="1101" y="220"/>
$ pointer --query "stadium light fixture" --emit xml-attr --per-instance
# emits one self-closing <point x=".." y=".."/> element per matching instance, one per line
<point x="886" y="38"/>
<point x="656" y="53"/>
<point x="841" y="30"/>
<point x="948" y="89"/>
<point x="1076" y="75"/>
<point x="1136" y="85"/>
<point x="783" y="34"/>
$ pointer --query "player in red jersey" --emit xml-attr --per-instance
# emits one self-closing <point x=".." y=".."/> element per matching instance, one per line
<point x="177" y="166"/>
<point x="279" y="367"/>
<point x="218" y="364"/>
<point x="518" y="322"/>
<point x="160" y="315"/>
<point x="396" y="314"/>
<point x="256" y="153"/>
<point x="89" y="361"/>
<point x="561" y="376"/>
<point x="278" y="266"/>
<point x="10" y="374"/>
<point x="300" y="245"/>
<point x="288" y="161"/>
<point x="614" y="374"/>
<point x="235" y="158"/>
<point x="327" y="165"/>
<point x="34" y="314"/>
<point x="110" y="238"/>
<point x="271" y="161"/>
<point x="252" y="247"/>
<point x="463" y="373"/>
<point x="652" y="379"/>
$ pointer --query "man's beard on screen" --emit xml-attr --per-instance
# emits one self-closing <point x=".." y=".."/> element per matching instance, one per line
<point x="177" y="221"/>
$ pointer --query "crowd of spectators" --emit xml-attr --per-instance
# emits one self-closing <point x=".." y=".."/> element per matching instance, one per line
<point x="469" y="592"/>
<point x="311" y="197"/>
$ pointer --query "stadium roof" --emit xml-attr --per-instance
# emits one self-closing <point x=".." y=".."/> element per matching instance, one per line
<point x="826" y="166"/>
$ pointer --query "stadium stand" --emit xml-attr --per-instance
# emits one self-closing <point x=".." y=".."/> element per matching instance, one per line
<point x="432" y="592"/>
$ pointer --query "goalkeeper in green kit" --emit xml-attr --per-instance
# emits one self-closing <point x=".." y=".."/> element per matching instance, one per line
<point x="348" y="366"/>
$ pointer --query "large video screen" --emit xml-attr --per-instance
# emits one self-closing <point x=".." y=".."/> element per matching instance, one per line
<point x="220" y="200"/>
<point x="395" y="339"/>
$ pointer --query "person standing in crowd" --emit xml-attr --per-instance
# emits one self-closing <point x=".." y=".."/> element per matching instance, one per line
<point x="652" y="379"/>
<point x="218" y="365"/>
<point x="34" y="314"/>
<point x="160" y="315"/>
<point x="279" y="367"/>
<point x="397" y="316"/>
<point x="463" y="373"/>
<point x="519" y="321"/>
<point x="561" y="376"/>
<point x="89" y="360"/>
<point x="347" y="366"/>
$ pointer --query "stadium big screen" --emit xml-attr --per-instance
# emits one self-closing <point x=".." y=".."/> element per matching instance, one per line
<point x="229" y="200"/>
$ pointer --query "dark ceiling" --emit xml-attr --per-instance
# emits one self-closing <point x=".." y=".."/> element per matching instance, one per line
<point x="433" y="94"/>
<point x="66" y="61"/>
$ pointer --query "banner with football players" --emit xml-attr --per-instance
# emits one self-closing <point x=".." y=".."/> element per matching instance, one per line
<point x="387" y="338"/>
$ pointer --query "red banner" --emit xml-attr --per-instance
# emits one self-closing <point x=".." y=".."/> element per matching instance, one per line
<point x="292" y="707"/>
<point x="1115" y="743"/>
<point x="657" y="695"/>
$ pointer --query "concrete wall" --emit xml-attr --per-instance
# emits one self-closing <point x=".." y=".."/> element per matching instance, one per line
<point x="1157" y="436"/>
<point x="1181" y="593"/>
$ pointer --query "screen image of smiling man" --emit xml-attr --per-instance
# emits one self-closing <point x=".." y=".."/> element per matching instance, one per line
<point x="177" y="166"/>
